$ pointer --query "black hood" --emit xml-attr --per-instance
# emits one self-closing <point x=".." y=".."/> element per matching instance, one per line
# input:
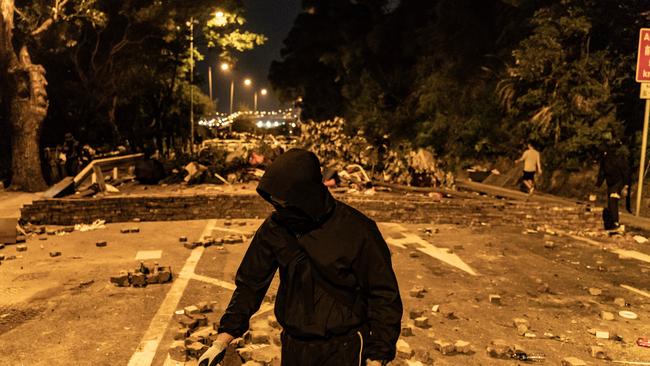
<point x="294" y="179"/>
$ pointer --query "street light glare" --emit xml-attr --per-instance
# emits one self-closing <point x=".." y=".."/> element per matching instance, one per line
<point x="263" y="91"/>
<point x="247" y="82"/>
<point x="219" y="14"/>
<point x="224" y="66"/>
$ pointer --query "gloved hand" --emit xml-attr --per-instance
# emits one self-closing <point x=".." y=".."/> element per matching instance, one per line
<point x="214" y="354"/>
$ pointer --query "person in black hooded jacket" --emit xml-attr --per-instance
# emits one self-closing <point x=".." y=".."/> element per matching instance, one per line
<point x="338" y="301"/>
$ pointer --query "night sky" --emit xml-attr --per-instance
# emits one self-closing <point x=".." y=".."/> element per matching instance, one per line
<point x="274" y="19"/>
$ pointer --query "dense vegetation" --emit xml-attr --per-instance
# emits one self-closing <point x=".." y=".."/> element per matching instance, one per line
<point x="472" y="79"/>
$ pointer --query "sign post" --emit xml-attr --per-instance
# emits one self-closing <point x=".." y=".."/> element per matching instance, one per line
<point x="643" y="77"/>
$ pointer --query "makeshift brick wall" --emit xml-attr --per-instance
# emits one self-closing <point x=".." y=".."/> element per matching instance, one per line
<point x="190" y="207"/>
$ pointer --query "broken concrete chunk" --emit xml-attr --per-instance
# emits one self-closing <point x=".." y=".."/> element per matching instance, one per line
<point x="124" y="231"/>
<point x="404" y="349"/>
<point x="416" y="313"/>
<point x="139" y="279"/>
<point x="182" y="239"/>
<point x="606" y="315"/>
<point x="422" y="322"/>
<point x="407" y="331"/>
<point x="443" y="347"/>
<point x="201" y="320"/>
<point x="121" y="280"/>
<point x="619" y="301"/>
<point x="196" y="349"/>
<point x="100" y="244"/>
<point x="602" y="334"/>
<point x="499" y="348"/>
<point x="495" y="299"/>
<point x="417" y="291"/>
<point x="598" y="352"/>
<point x="21" y="248"/>
<point x="595" y="291"/>
<point x="192" y="245"/>
<point x="192" y="309"/>
<point x="573" y="361"/>
<point x="55" y="254"/>
<point x="180" y="333"/>
<point x="134" y="230"/>
<point x="463" y="347"/>
<point x="178" y="352"/>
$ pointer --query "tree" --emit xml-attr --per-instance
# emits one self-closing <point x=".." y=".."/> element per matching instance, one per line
<point x="97" y="51"/>
<point x="23" y="92"/>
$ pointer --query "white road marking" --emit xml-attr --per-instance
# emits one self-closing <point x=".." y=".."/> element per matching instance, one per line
<point x="636" y="290"/>
<point x="622" y="253"/>
<point x="228" y="230"/>
<point x="148" y="254"/>
<point x="146" y="351"/>
<point x="214" y="281"/>
<point x="441" y="254"/>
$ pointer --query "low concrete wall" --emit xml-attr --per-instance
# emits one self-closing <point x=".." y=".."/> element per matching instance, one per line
<point x="384" y="208"/>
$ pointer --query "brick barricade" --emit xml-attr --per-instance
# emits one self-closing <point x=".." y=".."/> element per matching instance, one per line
<point x="384" y="208"/>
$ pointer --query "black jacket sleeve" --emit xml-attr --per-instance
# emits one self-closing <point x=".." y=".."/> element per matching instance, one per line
<point x="384" y="314"/>
<point x="253" y="278"/>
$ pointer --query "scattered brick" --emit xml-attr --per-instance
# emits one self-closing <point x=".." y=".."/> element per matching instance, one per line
<point x="273" y="322"/>
<point x="178" y="352"/>
<point x="443" y="347"/>
<point x="404" y="349"/>
<point x="121" y="280"/>
<point x="499" y="348"/>
<point x="192" y="245"/>
<point x="595" y="291"/>
<point x="192" y="309"/>
<point x="101" y="244"/>
<point x="619" y="301"/>
<point x="21" y="239"/>
<point x="124" y="231"/>
<point x="21" y="248"/>
<point x="180" y="333"/>
<point x="43" y="238"/>
<point x="259" y="337"/>
<point x="417" y="291"/>
<point x="139" y="280"/>
<point x="416" y="313"/>
<point x="463" y="347"/>
<point x="187" y="322"/>
<point x="598" y="352"/>
<point x="495" y="299"/>
<point x="182" y="239"/>
<point x="606" y="315"/>
<point x="407" y="331"/>
<point x="55" y="254"/>
<point x="134" y="230"/>
<point x="422" y="322"/>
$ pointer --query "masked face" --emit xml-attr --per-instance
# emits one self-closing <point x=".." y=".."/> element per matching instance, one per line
<point x="292" y="217"/>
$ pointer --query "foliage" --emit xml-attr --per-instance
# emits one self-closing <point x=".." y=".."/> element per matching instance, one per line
<point x="471" y="80"/>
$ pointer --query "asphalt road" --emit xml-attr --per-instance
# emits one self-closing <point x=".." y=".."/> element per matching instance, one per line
<point x="541" y="258"/>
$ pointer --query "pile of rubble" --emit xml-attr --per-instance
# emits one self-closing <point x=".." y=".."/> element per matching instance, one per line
<point x="143" y="276"/>
<point x="193" y="336"/>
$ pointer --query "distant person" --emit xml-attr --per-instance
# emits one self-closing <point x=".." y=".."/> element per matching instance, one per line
<point x="532" y="164"/>
<point x="72" y="155"/>
<point x="338" y="300"/>
<point x="615" y="171"/>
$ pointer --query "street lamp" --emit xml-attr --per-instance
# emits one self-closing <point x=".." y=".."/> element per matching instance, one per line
<point x="263" y="92"/>
<point x="247" y="82"/>
<point x="224" y="67"/>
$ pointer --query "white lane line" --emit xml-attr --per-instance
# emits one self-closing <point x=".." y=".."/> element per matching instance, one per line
<point x="148" y="254"/>
<point x="622" y="253"/>
<point x="636" y="290"/>
<point x="214" y="281"/>
<point x="227" y="230"/>
<point x="441" y="254"/>
<point x="146" y="350"/>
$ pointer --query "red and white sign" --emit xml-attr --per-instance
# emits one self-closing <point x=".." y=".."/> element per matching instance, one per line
<point x="643" y="58"/>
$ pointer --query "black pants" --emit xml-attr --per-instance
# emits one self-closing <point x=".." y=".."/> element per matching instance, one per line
<point x="338" y="351"/>
<point x="613" y="197"/>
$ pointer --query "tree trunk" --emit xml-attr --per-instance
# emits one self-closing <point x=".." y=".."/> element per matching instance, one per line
<point x="25" y="95"/>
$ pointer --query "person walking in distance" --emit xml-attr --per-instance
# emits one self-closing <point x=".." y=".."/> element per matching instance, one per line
<point x="338" y="301"/>
<point x="614" y="170"/>
<point x="532" y="164"/>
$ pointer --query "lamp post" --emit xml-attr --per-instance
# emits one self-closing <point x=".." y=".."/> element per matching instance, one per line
<point x="248" y="82"/>
<point x="263" y="92"/>
<point x="191" y="85"/>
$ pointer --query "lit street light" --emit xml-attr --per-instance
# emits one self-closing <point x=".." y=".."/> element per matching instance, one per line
<point x="248" y="82"/>
<point x="263" y="92"/>
<point x="224" y="66"/>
